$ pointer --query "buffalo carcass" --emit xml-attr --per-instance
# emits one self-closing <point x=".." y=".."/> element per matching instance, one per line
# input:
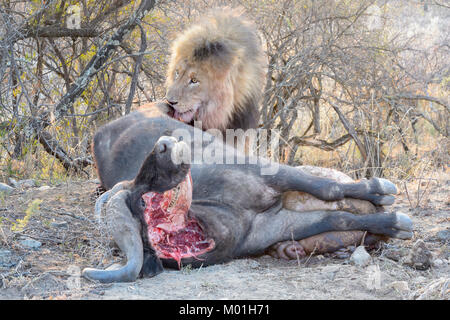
<point x="236" y="209"/>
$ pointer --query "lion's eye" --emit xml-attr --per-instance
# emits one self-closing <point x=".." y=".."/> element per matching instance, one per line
<point x="194" y="80"/>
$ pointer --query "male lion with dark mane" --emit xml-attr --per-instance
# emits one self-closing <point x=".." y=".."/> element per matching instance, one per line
<point x="216" y="73"/>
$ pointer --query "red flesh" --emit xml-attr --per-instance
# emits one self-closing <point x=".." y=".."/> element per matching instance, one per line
<point x="171" y="232"/>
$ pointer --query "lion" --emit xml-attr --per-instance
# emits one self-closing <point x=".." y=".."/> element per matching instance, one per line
<point x="216" y="73"/>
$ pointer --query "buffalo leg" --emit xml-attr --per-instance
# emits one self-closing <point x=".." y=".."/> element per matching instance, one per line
<point x="329" y="241"/>
<point x="269" y="228"/>
<point x="379" y="191"/>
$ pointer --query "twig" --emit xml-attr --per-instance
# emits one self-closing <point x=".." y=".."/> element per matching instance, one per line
<point x="70" y="214"/>
<point x="296" y="253"/>
<point x="363" y="238"/>
<point x="311" y="254"/>
<point x="350" y="130"/>
<point x="407" y="195"/>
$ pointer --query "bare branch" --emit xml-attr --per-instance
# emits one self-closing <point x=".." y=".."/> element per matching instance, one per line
<point x="137" y="68"/>
<point x="101" y="57"/>
<point x="52" y="147"/>
<point x="350" y="130"/>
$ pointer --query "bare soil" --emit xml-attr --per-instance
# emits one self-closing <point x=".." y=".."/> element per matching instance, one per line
<point x="71" y="239"/>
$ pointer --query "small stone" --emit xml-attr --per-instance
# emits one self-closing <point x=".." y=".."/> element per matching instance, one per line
<point x="13" y="182"/>
<point x="5" y="188"/>
<point x="395" y="253"/>
<point x="443" y="235"/>
<point x="31" y="244"/>
<point x="7" y="260"/>
<point x="329" y="272"/>
<point x="400" y="286"/>
<point x="360" y="257"/>
<point x="28" y="183"/>
<point x="4" y="255"/>
<point x="438" y="263"/>
<point x="342" y="253"/>
<point x="420" y="279"/>
<point x="97" y="292"/>
<point x="419" y="256"/>
<point x="59" y="224"/>
<point x="43" y="188"/>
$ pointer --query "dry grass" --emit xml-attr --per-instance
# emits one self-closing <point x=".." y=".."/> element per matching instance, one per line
<point x="70" y="237"/>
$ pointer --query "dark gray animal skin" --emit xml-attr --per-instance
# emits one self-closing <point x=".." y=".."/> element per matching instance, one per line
<point x="236" y="206"/>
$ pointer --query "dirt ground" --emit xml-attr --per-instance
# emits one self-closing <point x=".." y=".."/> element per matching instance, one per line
<point x="44" y="245"/>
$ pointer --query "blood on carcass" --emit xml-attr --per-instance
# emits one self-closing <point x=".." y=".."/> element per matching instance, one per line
<point x="171" y="232"/>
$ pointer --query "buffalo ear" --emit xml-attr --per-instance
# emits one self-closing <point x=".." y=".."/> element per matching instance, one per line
<point x="148" y="170"/>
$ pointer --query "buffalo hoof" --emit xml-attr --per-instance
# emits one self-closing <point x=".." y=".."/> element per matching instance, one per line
<point x="403" y="226"/>
<point x="287" y="250"/>
<point x="328" y="242"/>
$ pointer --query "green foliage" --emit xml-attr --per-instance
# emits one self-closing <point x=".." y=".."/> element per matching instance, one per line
<point x="20" y="224"/>
<point x="187" y="269"/>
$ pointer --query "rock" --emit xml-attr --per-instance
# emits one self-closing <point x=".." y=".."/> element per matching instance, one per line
<point x="329" y="272"/>
<point x="419" y="256"/>
<point x="344" y="253"/>
<point x="395" y="254"/>
<point x="59" y="224"/>
<point x="28" y="183"/>
<point x="30" y="244"/>
<point x="97" y="292"/>
<point x="7" y="259"/>
<point x="341" y="254"/>
<point x="4" y="253"/>
<point x="420" y="279"/>
<point x="13" y="182"/>
<point x="438" y="263"/>
<point x="4" y="256"/>
<point x="43" y="188"/>
<point x="360" y="257"/>
<point x="443" y="235"/>
<point x="5" y="188"/>
<point x="400" y="286"/>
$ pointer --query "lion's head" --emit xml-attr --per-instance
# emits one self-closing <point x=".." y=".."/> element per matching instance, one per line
<point x="216" y="73"/>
